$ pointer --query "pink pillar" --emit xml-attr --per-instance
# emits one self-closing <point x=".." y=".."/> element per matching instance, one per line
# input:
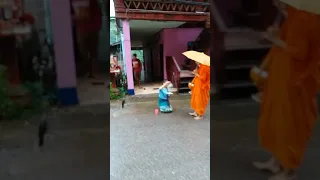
<point x="127" y="52"/>
<point x="165" y="74"/>
<point x="63" y="49"/>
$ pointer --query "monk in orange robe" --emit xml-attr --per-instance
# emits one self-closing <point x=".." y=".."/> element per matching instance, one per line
<point x="258" y="75"/>
<point x="289" y="105"/>
<point x="200" y="92"/>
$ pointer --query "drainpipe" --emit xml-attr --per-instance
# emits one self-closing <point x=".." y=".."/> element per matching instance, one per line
<point x="123" y="54"/>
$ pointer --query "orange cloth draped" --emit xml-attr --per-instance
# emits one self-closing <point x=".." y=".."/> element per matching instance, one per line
<point x="201" y="90"/>
<point x="272" y="54"/>
<point x="289" y="107"/>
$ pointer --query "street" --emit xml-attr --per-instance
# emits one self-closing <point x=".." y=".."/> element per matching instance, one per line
<point x="75" y="148"/>
<point x="164" y="147"/>
<point x="144" y="146"/>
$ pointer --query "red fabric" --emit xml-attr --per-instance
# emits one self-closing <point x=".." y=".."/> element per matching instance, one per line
<point x="95" y="21"/>
<point x="26" y="17"/>
<point x="139" y="66"/>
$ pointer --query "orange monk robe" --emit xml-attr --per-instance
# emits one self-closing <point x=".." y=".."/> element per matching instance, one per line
<point x="289" y="106"/>
<point x="201" y="90"/>
<point x="192" y="82"/>
<point x="272" y="55"/>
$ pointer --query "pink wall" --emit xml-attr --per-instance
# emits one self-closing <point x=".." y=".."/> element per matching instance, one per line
<point x="63" y="44"/>
<point x="175" y="42"/>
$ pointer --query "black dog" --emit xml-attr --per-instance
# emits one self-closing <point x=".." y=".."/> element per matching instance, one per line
<point x="42" y="130"/>
<point x="123" y="102"/>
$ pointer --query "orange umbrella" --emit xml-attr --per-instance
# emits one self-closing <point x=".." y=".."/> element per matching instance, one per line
<point x="199" y="57"/>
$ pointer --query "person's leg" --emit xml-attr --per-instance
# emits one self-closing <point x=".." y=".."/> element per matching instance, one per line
<point x="135" y="78"/>
<point x="200" y="114"/>
<point x="139" y="79"/>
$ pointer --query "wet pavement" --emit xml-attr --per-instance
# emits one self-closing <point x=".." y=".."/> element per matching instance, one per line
<point x="235" y="144"/>
<point x="163" y="147"/>
<point x="76" y="147"/>
<point x="143" y="146"/>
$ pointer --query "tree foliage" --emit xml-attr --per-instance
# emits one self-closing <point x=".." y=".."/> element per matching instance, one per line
<point x="114" y="32"/>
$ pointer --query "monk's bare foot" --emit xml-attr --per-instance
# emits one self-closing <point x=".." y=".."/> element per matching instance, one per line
<point x="198" y="117"/>
<point x="193" y="114"/>
<point x="272" y="165"/>
<point x="284" y="175"/>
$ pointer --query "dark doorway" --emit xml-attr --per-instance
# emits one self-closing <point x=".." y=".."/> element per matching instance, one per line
<point x="151" y="70"/>
<point x="161" y="78"/>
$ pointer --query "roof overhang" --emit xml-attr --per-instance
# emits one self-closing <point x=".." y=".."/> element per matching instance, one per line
<point x="138" y="14"/>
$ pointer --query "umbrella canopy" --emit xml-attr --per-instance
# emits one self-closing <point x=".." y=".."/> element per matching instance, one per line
<point x="312" y="6"/>
<point x="199" y="57"/>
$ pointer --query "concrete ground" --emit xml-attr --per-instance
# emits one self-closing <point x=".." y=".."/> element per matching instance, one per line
<point x="235" y="145"/>
<point x="143" y="146"/>
<point x="76" y="147"/>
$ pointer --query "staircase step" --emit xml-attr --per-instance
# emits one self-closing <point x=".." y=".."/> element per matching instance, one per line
<point x="184" y="90"/>
<point x="238" y="84"/>
<point x="244" y="48"/>
<point x="245" y="55"/>
<point x="254" y="14"/>
<point x="241" y="66"/>
<point x="185" y="80"/>
<point x="238" y="93"/>
<point x="186" y="74"/>
<point x="245" y="38"/>
<point x="238" y="75"/>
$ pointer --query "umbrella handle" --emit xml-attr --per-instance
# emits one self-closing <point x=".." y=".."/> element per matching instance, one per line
<point x="274" y="40"/>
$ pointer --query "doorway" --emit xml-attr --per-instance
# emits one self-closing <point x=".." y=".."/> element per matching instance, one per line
<point x="139" y="53"/>
<point x="161" y="77"/>
<point x="153" y="66"/>
<point x="90" y="40"/>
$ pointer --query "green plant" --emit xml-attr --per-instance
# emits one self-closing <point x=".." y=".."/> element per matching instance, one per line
<point x="117" y="94"/>
<point x="114" y="94"/>
<point x="10" y="110"/>
<point x="6" y="105"/>
<point x="39" y="101"/>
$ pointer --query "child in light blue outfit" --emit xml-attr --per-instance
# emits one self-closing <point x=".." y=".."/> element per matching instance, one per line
<point x="163" y="99"/>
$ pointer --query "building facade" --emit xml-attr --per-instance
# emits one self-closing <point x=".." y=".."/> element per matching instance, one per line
<point x="158" y="29"/>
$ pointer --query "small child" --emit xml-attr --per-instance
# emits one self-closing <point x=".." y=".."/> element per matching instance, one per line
<point x="163" y="99"/>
